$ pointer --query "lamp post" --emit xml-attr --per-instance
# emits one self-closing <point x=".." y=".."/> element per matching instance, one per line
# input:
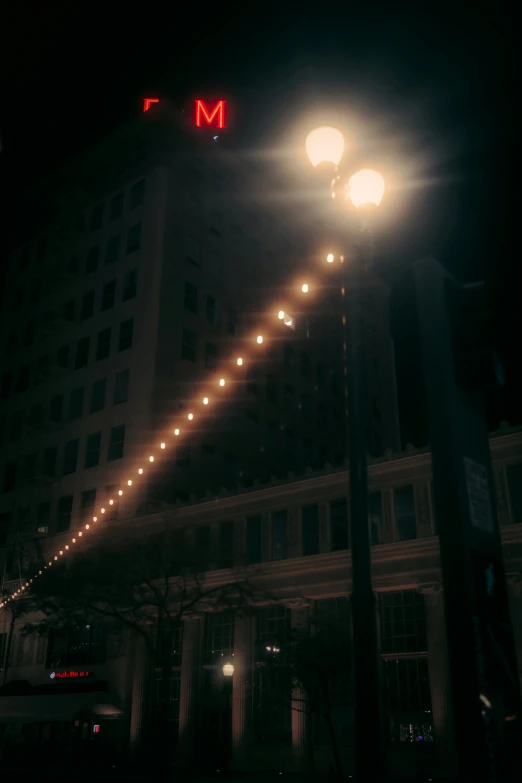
<point x="226" y="717"/>
<point x="360" y="192"/>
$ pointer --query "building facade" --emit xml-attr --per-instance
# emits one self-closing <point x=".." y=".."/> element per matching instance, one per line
<point x="291" y="538"/>
<point x="139" y="267"/>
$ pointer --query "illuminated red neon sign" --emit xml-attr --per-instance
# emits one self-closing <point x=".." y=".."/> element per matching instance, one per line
<point x="70" y="674"/>
<point x="214" y="117"/>
<point x="147" y="102"/>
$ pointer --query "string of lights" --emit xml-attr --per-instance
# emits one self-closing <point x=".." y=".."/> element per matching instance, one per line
<point x="213" y="392"/>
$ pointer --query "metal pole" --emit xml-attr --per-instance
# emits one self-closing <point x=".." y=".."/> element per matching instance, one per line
<point x="369" y="758"/>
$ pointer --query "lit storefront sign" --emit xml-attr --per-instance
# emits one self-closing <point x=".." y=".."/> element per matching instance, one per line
<point x="70" y="674"/>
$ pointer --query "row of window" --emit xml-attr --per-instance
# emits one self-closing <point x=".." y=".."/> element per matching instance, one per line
<point x="38" y="288"/>
<point x="69" y="357"/>
<point x="92" y="222"/>
<point x="70" y="312"/>
<point x="401" y="614"/>
<point x="29" y="467"/>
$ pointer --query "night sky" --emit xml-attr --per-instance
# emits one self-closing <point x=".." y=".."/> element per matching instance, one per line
<point x="434" y="92"/>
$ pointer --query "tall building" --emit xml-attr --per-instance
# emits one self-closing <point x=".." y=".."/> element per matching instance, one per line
<point x="292" y="538"/>
<point x="139" y="271"/>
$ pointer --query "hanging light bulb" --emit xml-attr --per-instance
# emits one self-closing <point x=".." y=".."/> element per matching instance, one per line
<point x="281" y="315"/>
<point x="102" y="510"/>
<point x="239" y="361"/>
<point x="190" y="416"/>
<point x="162" y="445"/>
<point x="140" y="471"/>
<point x="111" y="502"/>
<point x="120" y="492"/>
<point x="221" y="381"/>
<point x="151" y="458"/>
<point x="259" y="338"/>
<point x="176" y="431"/>
<point x="129" y="482"/>
<point x="205" y="400"/>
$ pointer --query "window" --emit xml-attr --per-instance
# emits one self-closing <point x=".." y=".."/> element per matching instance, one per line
<point x="219" y="637"/>
<point x="112" y="250"/>
<point x="4" y="530"/>
<point x="68" y="311"/>
<point x="271" y="390"/>
<point x="338" y="524"/>
<point x="407" y="700"/>
<point x="403" y="625"/>
<point x="87" y="306"/>
<point x="137" y="194"/>
<point x="63" y="521"/>
<point x="82" y="353"/>
<point x="514" y="482"/>
<point x="183" y="456"/>
<point x="116" y="443"/>
<point x="116" y="209"/>
<point x="70" y="456"/>
<point x="11" y="341"/>
<point x="24" y="376"/>
<point x="405" y="513"/>
<point x="306" y="369"/>
<point x="99" y="388"/>
<point x="17" y="426"/>
<point x="321" y="376"/>
<point x="231" y="321"/>
<point x="130" y="282"/>
<point x="83" y="645"/>
<point x="97" y="217"/>
<point x="76" y="404"/>
<point x="310" y="529"/>
<point x="10" y="471"/>
<point x="188" y="345"/>
<point x="121" y="387"/>
<point x="202" y="546"/>
<point x="211" y="309"/>
<point x="88" y="502"/>
<point x="56" y="408"/>
<point x="134" y="238"/>
<point x="375" y="517"/>
<point x="62" y="357"/>
<point x="103" y="344"/>
<point x="91" y="262"/>
<point x="108" y="295"/>
<point x="226" y="544"/>
<point x="190" y="301"/>
<point x="49" y="461"/>
<point x="7" y="381"/>
<point x="211" y="354"/>
<point x="126" y="333"/>
<point x="193" y="251"/>
<point x="30" y="332"/>
<point x="43" y="516"/>
<point x="279" y="535"/>
<point x="254" y="541"/>
<point x="92" y="450"/>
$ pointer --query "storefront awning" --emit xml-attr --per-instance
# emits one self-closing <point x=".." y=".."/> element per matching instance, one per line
<point x="62" y="707"/>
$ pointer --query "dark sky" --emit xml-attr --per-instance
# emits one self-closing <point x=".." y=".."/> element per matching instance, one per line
<point x="432" y="89"/>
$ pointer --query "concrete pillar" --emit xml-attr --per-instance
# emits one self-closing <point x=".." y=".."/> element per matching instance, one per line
<point x="440" y="678"/>
<point x="189" y="687"/>
<point x="302" y="741"/>
<point x="140" y="683"/>
<point x="242" y="688"/>
<point x="514" y="586"/>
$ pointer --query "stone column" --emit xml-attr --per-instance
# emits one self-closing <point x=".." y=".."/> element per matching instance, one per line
<point x="514" y="586"/>
<point x="140" y="682"/>
<point x="189" y="687"/>
<point x="242" y="688"/>
<point x="440" y="678"/>
<point x="302" y="740"/>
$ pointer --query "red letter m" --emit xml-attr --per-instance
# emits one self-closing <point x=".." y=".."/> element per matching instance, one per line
<point x="217" y="116"/>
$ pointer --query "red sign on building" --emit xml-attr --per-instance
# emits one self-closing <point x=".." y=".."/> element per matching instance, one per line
<point x="70" y="674"/>
<point x="213" y="116"/>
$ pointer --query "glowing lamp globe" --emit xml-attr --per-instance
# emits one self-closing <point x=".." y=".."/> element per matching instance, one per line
<point x="325" y="145"/>
<point x="366" y="187"/>
<point x="228" y="669"/>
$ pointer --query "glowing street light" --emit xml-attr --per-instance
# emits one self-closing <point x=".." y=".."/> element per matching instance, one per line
<point x="228" y="669"/>
<point x="325" y="145"/>
<point x="365" y="188"/>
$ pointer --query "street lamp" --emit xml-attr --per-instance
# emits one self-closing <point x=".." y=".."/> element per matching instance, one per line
<point x="228" y="669"/>
<point x="357" y="192"/>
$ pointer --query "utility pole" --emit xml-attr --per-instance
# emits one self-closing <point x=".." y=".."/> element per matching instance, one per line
<point x="457" y="364"/>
